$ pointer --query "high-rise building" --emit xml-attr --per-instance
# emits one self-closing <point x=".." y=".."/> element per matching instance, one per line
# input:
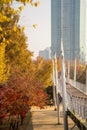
<point x="68" y="22"/>
<point x="45" y="53"/>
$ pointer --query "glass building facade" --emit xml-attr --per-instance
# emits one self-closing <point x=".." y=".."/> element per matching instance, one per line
<point x="72" y="15"/>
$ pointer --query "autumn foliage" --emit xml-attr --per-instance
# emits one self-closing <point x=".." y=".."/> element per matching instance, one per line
<point x="80" y="72"/>
<point x="22" y="80"/>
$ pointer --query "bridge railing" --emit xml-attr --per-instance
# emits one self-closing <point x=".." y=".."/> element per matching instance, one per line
<point x="60" y="86"/>
<point x="80" y="86"/>
<point x="78" y="105"/>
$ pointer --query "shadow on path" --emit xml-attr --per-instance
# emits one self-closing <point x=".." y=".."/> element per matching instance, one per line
<point x="47" y="119"/>
<point x="27" y="124"/>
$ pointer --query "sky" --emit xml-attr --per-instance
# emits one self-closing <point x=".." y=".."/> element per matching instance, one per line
<point x="39" y="38"/>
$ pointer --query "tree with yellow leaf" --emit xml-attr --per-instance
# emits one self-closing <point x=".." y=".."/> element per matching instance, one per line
<point x="43" y="71"/>
<point x="4" y="70"/>
<point x="8" y="20"/>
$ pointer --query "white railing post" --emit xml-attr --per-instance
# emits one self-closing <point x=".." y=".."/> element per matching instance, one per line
<point x="57" y="98"/>
<point x="64" y="89"/>
<point x="63" y="72"/>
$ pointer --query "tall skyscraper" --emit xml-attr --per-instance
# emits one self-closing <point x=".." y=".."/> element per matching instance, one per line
<point x="68" y="22"/>
<point x="45" y="53"/>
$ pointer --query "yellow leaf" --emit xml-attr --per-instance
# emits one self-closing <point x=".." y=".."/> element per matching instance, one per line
<point x="21" y="8"/>
<point x="37" y="3"/>
<point x="15" y="29"/>
<point x="34" y="26"/>
<point x="0" y="28"/>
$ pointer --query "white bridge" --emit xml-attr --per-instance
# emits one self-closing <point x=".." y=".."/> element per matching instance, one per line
<point x="76" y="102"/>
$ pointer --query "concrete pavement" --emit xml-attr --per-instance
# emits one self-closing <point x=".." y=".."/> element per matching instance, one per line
<point x="47" y="119"/>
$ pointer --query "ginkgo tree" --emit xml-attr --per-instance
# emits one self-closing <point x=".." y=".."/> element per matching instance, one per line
<point x="4" y="71"/>
<point x="43" y="71"/>
<point x="32" y="2"/>
<point x="20" y="78"/>
<point x="7" y="15"/>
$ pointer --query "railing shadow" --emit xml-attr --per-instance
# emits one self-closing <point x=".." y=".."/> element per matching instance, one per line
<point x="30" y="127"/>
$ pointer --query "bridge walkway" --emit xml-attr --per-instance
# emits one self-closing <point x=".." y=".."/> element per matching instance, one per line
<point x="77" y="106"/>
<point x="76" y="103"/>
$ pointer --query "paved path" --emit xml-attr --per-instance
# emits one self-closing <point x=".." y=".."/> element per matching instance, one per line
<point x="47" y="120"/>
